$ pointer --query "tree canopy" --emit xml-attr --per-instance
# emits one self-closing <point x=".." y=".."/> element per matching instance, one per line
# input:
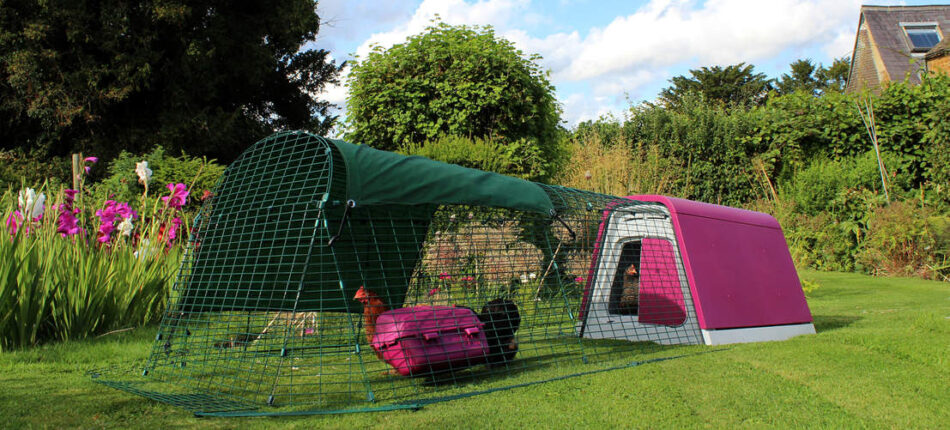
<point x="737" y="84"/>
<point x="814" y="79"/>
<point x="452" y="81"/>
<point x="206" y="76"/>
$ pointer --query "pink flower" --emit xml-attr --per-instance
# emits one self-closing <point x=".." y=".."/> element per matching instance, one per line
<point x="93" y="160"/>
<point x="444" y="276"/>
<point x="13" y="221"/>
<point x="433" y="291"/>
<point x="106" y="222"/>
<point x="107" y="217"/>
<point x="173" y="230"/>
<point x="468" y="279"/>
<point x="579" y="279"/>
<point x="125" y="211"/>
<point x="67" y="224"/>
<point x="178" y="197"/>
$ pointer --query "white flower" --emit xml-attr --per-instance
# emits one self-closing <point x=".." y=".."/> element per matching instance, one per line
<point x="144" y="250"/>
<point x="145" y="174"/>
<point x="31" y="204"/>
<point x="125" y="227"/>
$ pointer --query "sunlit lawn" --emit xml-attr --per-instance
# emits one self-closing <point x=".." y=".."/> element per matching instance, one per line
<point x="881" y="358"/>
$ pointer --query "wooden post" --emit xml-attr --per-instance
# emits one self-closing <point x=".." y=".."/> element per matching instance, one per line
<point x="76" y="168"/>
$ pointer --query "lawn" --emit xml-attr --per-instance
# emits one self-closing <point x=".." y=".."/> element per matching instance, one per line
<point x="881" y="358"/>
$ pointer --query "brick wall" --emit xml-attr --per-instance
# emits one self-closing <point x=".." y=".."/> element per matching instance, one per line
<point x="940" y="64"/>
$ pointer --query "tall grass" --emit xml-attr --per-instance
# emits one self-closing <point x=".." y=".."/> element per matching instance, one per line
<point x="606" y="164"/>
<point x="58" y="288"/>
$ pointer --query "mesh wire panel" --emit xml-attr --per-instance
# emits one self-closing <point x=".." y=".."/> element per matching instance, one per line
<point x="409" y="303"/>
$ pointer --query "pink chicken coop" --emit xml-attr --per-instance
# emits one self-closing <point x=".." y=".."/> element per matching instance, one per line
<point x="684" y="272"/>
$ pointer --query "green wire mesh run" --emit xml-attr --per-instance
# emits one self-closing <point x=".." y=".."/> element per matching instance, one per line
<point x="279" y="302"/>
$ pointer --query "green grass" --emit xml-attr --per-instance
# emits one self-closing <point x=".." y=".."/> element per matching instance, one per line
<point x="881" y="358"/>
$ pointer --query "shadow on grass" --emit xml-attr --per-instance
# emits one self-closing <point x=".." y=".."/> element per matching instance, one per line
<point x="832" y="322"/>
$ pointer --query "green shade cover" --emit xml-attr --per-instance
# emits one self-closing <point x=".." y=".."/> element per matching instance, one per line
<point x="377" y="177"/>
<point x="262" y="242"/>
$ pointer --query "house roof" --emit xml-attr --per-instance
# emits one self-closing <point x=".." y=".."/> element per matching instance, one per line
<point x="884" y="25"/>
<point x="939" y="49"/>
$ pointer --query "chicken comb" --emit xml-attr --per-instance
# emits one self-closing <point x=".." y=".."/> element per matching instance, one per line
<point x="360" y="294"/>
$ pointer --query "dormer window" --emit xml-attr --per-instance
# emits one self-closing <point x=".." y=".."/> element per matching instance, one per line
<point x="922" y="36"/>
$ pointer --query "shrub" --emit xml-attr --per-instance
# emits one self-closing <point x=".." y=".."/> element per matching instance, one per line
<point x="905" y="239"/>
<point x="520" y="158"/>
<point x="34" y="167"/>
<point x="715" y="164"/>
<point x="452" y="80"/>
<point x="824" y="182"/>
<point x="122" y="184"/>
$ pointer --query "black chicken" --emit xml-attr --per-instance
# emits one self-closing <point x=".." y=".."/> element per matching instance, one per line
<point x="501" y="319"/>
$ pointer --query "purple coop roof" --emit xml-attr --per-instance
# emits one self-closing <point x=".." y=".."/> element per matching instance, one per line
<point x="738" y="265"/>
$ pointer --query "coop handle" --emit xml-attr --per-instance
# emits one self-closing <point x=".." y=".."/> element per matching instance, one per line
<point x="346" y="216"/>
<point x="430" y="336"/>
<point x="471" y="331"/>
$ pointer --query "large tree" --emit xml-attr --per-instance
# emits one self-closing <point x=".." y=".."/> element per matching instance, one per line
<point x="814" y="79"/>
<point x="737" y="84"/>
<point x="455" y="81"/>
<point x="206" y="76"/>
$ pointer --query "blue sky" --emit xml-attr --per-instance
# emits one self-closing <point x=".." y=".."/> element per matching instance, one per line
<point x="606" y="55"/>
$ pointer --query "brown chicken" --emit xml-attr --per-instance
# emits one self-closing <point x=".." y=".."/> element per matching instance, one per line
<point x="373" y="305"/>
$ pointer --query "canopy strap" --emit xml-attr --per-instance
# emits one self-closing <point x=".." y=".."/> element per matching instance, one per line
<point x="346" y="216"/>
<point x="560" y="220"/>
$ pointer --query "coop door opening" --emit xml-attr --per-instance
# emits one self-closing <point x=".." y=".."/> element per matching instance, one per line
<point x="625" y="290"/>
<point x="646" y="283"/>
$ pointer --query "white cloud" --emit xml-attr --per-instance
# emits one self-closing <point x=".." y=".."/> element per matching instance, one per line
<point x="579" y="107"/>
<point x="842" y="44"/>
<point x="496" y="13"/>
<point x="668" y="32"/>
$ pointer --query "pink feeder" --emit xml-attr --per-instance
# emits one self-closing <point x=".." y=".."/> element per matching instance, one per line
<point x="676" y="271"/>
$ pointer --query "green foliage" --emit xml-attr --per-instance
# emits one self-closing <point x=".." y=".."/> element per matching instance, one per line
<point x="122" y="183"/>
<point x="825" y="183"/>
<point x="905" y="113"/>
<point x="813" y="79"/>
<point x="908" y="119"/>
<point x="520" y="158"/>
<point x="938" y="136"/>
<point x="19" y="166"/>
<point x="735" y="85"/>
<point x="905" y="239"/>
<point x="706" y="138"/>
<point x="104" y="76"/>
<point x="797" y="127"/>
<point x="835" y="76"/>
<point x="809" y="286"/>
<point x="456" y="81"/>
<point x="802" y="78"/>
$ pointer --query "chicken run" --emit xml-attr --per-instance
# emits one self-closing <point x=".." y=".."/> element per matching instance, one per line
<point x="327" y="277"/>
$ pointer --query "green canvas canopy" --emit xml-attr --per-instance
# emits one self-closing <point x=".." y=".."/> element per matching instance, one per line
<point x="263" y="242"/>
<point x="377" y="177"/>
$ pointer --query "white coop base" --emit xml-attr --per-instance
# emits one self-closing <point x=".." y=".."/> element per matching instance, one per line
<point x="756" y="334"/>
